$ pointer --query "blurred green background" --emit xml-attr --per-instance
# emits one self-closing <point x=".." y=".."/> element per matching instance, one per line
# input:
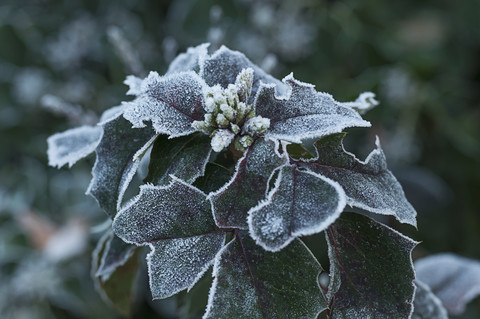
<point x="63" y="62"/>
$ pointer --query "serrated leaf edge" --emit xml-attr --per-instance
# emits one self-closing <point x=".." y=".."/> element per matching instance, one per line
<point x="288" y="80"/>
<point x="194" y="282"/>
<point x="331" y="254"/>
<point x="353" y="203"/>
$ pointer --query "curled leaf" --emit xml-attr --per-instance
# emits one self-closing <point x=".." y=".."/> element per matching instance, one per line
<point x="301" y="203"/>
<point x="117" y="162"/>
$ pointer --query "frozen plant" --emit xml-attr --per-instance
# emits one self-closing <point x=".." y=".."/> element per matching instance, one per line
<point x="234" y="180"/>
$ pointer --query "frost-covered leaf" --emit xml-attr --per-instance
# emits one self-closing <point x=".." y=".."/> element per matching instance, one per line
<point x="72" y="145"/>
<point x="224" y="65"/>
<point x="117" y="162"/>
<point x="185" y="157"/>
<point x="368" y="184"/>
<point x="190" y="60"/>
<point x="301" y="203"/>
<point x="248" y="185"/>
<point x="118" y="288"/>
<point x="371" y="271"/>
<point x="303" y="113"/>
<point x="251" y="283"/>
<point x="426" y="304"/>
<point x="453" y="279"/>
<point x="177" y="264"/>
<point x="115" y="254"/>
<point x="171" y="102"/>
<point x="177" y="223"/>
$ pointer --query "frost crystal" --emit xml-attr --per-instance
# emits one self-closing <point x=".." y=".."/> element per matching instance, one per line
<point x="228" y="111"/>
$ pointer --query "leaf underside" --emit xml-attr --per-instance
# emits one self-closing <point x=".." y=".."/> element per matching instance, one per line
<point x="371" y="272"/>
<point x="250" y="282"/>
<point x="368" y="185"/>
<point x="301" y="203"/>
<point x="247" y="187"/>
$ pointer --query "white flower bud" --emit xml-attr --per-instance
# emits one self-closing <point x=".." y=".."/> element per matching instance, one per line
<point x="221" y="119"/>
<point x="256" y="125"/>
<point x="244" y="83"/>
<point x="221" y="140"/>
<point x="228" y="111"/>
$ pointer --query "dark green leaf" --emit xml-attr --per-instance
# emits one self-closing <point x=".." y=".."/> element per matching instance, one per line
<point x="185" y="157"/>
<point x="368" y="184"/>
<point x="253" y="283"/>
<point x="371" y="271"/>
<point x="214" y="178"/>
<point x="224" y="65"/>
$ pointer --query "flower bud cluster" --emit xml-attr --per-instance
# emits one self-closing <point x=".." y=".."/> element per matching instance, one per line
<point x="229" y="118"/>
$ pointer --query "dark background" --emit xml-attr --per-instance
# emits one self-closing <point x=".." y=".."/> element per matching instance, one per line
<point x="421" y="58"/>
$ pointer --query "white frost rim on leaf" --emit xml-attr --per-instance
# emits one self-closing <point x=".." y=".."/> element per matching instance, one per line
<point x="133" y="170"/>
<point x="73" y="157"/>
<point x="314" y="229"/>
<point x="298" y="138"/>
<point x="194" y="282"/>
<point x="232" y="179"/>
<point x="411" y="220"/>
<point x="133" y="112"/>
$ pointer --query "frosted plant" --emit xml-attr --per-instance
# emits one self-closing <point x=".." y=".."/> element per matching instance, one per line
<point x="233" y="181"/>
